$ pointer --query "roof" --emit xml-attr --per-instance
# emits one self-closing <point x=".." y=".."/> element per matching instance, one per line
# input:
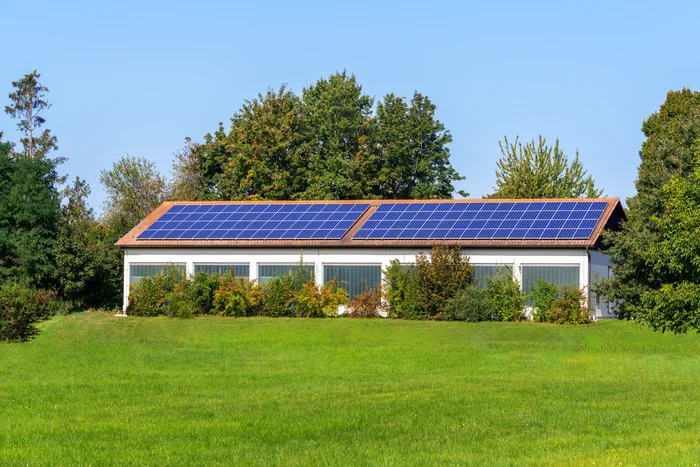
<point x="611" y="217"/>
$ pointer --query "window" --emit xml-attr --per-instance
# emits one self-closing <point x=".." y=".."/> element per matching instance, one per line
<point x="482" y="271"/>
<point x="267" y="271"/>
<point x="238" y="270"/>
<point x="564" y="276"/>
<point x="356" y="279"/>
<point x="139" y="271"/>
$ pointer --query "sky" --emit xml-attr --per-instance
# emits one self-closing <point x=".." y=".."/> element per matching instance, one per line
<point x="137" y="77"/>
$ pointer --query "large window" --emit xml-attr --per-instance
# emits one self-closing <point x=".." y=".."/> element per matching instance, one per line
<point x="268" y="271"/>
<point x="483" y="271"/>
<point x="564" y="276"/>
<point x="238" y="270"/>
<point x="356" y="279"/>
<point x="139" y="271"/>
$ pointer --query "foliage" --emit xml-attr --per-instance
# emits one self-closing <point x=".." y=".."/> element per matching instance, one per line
<point x="204" y="287"/>
<point x="654" y="251"/>
<point x="442" y="275"/>
<point x="134" y="189"/>
<point x="324" y="144"/>
<point x="506" y="297"/>
<point x="88" y="268"/>
<point x="673" y="307"/>
<point x="237" y="296"/>
<point x="538" y="170"/>
<point x="187" y="183"/>
<point x="415" y="158"/>
<point x="29" y="216"/>
<point x="403" y="292"/>
<point x="366" y="305"/>
<point x="471" y="304"/>
<point x="543" y="295"/>
<point x="21" y="307"/>
<point x="180" y="303"/>
<point x="27" y="104"/>
<point x="280" y="291"/>
<point x="148" y="297"/>
<point x="570" y="307"/>
<point x="314" y="301"/>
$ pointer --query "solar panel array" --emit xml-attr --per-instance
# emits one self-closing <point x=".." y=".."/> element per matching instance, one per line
<point x="255" y="221"/>
<point x="567" y="220"/>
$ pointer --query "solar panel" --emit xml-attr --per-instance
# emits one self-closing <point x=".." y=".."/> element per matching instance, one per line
<point x="560" y="220"/>
<point x="255" y="221"/>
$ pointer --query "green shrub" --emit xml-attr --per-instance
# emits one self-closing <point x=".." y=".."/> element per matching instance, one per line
<point x="543" y="295"/>
<point x="506" y="297"/>
<point x="204" y="286"/>
<point x="570" y="307"/>
<point x="313" y="301"/>
<point x="20" y="309"/>
<point x="367" y="305"/>
<point x="180" y="303"/>
<point x="279" y="298"/>
<point x="148" y="296"/>
<point x="470" y="304"/>
<point x="237" y="296"/>
<point x="403" y="292"/>
<point x="442" y="275"/>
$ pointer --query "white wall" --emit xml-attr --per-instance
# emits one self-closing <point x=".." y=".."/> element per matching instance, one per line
<point x="368" y="256"/>
<point x="600" y="269"/>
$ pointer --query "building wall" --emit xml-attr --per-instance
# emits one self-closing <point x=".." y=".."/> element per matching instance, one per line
<point x="601" y="268"/>
<point x="366" y="256"/>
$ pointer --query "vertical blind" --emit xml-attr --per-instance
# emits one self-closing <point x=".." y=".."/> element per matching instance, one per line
<point x="355" y="279"/>
<point x="563" y="276"/>
<point x="268" y="271"/>
<point x="238" y="270"/>
<point x="139" y="271"/>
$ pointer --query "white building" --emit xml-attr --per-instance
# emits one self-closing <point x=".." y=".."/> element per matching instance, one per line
<point x="353" y="241"/>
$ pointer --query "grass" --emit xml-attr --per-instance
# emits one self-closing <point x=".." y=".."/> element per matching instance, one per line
<point x="95" y="389"/>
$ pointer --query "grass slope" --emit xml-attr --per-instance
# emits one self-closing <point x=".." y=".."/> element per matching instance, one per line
<point x="94" y="389"/>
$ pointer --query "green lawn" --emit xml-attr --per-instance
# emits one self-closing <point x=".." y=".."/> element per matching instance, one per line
<point x="95" y="389"/>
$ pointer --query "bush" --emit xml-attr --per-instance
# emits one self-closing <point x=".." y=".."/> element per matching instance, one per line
<point x="470" y="304"/>
<point x="180" y="302"/>
<point x="237" y="296"/>
<point x="204" y="286"/>
<point x="367" y="305"/>
<point x="506" y="297"/>
<point x="148" y="296"/>
<point x="313" y="301"/>
<point x="279" y="298"/>
<point x="442" y="275"/>
<point x="543" y="295"/>
<point x="570" y="307"/>
<point x="403" y="292"/>
<point x="20" y="309"/>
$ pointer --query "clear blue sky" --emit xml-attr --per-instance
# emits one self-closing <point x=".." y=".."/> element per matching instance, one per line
<point x="138" y="77"/>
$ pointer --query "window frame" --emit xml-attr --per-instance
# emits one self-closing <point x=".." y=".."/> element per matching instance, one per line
<point x="336" y="264"/>
<point x="165" y="265"/>
<point x="292" y="265"/>
<point x="194" y="267"/>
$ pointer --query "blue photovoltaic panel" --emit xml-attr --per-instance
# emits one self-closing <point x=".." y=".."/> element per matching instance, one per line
<point x="554" y="220"/>
<point x="255" y="221"/>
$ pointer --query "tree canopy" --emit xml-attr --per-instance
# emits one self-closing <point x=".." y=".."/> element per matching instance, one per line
<point x="655" y="254"/>
<point x="28" y="101"/>
<point x="327" y="143"/>
<point x="539" y="170"/>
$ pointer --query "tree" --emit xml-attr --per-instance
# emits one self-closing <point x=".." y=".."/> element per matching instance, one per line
<point x="644" y="280"/>
<point x="88" y="266"/>
<point x="188" y="182"/>
<point x="263" y="150"/>
<point x="538" y="170"/>
<point x="326" y="144"/>
<point x="134" y="189"/>
<point x="29" y="210"/>
<point x="28" y="103"/>
<point x="340" y="139"/>
<point x="415" y="159"/>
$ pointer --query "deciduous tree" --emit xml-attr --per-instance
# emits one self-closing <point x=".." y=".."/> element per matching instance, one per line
<point x="134" y="188"/>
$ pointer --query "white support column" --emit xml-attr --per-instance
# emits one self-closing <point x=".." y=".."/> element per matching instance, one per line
<point x="127" y="280"/>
